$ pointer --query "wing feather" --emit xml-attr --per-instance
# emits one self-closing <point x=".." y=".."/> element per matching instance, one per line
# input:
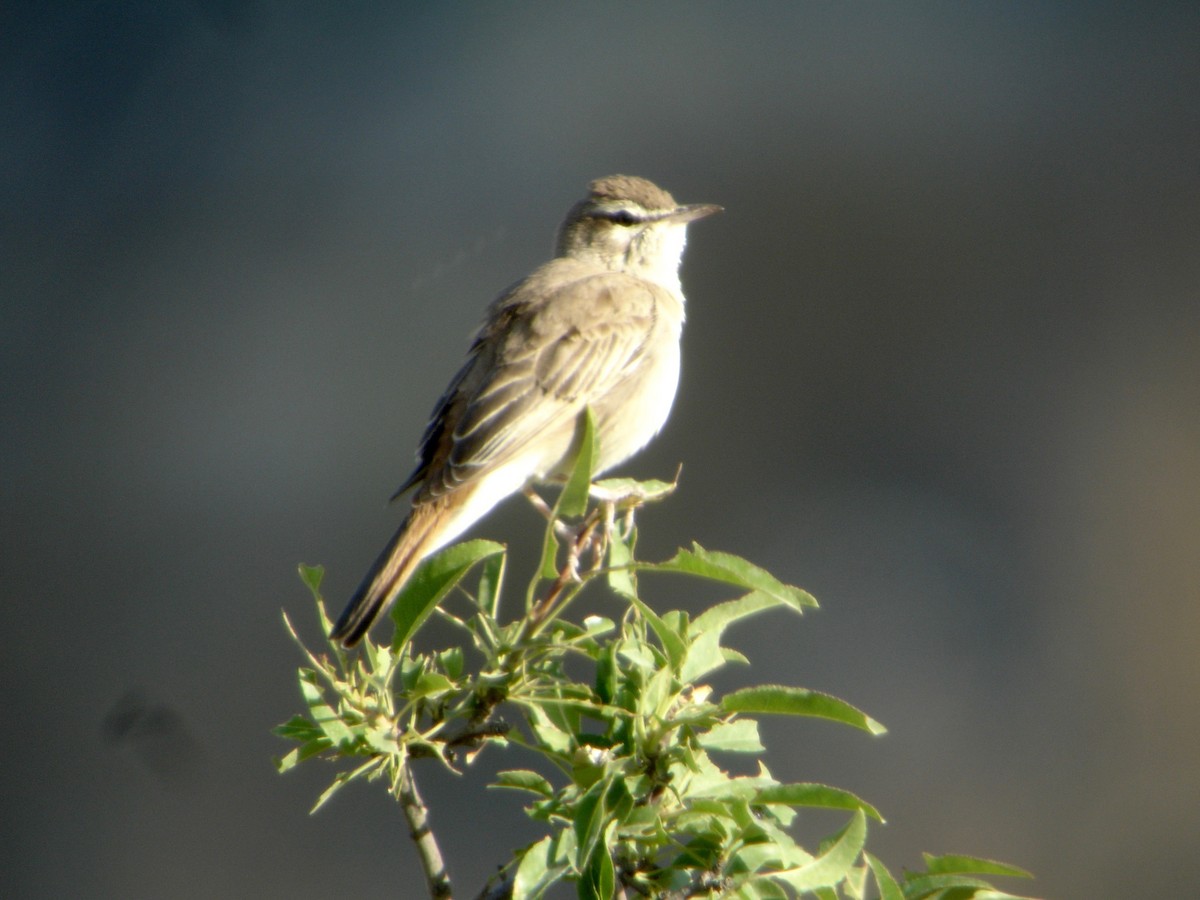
<point x="535" y="364"/>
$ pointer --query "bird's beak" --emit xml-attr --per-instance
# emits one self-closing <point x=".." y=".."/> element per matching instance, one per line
<point x="693" y="212"/>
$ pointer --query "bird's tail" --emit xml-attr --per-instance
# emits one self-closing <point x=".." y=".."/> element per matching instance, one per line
<point x="417" y="537"/>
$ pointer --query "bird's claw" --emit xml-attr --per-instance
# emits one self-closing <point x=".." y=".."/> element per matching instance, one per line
<point x="617" y="500"/>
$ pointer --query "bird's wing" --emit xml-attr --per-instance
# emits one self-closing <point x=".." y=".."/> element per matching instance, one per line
<point x="537" y="362"/>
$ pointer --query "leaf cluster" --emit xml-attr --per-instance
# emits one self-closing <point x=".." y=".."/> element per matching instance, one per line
<point x="622" y="772"/>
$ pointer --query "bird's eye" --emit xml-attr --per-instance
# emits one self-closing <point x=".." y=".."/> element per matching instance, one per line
<point x="623" y="217"/>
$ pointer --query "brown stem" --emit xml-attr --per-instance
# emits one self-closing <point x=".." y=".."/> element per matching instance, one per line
<point x="570" y="570"/>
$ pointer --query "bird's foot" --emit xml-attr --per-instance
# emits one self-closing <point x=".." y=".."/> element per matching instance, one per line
<point x="626" y="496"/>
<point x="615" y="498"/>
<point x="536" y="501"/>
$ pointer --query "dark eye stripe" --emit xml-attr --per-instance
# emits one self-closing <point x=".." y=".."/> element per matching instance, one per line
<point x="620" y="217"/>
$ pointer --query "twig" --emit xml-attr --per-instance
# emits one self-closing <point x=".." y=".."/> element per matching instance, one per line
<point x="415" y="811"/>
<point x="584" y="534"/>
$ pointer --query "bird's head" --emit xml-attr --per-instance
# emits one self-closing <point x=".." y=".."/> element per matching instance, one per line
<point x="629" y="224"/>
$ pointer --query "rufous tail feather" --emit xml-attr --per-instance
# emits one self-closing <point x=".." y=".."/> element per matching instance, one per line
<point x="391" y="569"/>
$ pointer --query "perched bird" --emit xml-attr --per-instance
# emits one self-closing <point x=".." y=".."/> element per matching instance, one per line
<point x="597" y="326"/>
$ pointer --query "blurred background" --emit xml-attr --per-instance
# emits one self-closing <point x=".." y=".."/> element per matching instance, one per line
<point x="941" y="368"/>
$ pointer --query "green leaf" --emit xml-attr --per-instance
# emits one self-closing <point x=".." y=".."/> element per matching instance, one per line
<point x="382" y="738"/>
<point x="297" y="728"/>
<point x="313" y="576"/>
<point x="452" y="661"/>
<point x="322" y="713"/>
<point x="647" y="491"/>
<point x="621" y="580"/>
<point x="548" y="564"/>
<point x="547" y="732"/>
<point x="429" y="684"/>
<point x="855" y="885"/>
<point x="775" y="852"/>
<point x="831" y="866"/>
<point x="595" y="626"/>
<point x="819" y="795"/>
<point x="656" y="694"/>
<point x="672" y="643"/>
<point x="299" y="754"/>
<point x="974" y="865"/>
<point x="761" y="856"/>
<point x="524" y="780"/>
<point x="776" y="699"/>
<point x="730" y="569"/>
<point x="888" y="888"/>
<point x="344" y="778"/>
<point x="724" y="790"/>
<point x="339" y="781"/>
<point x="590" y="815"/>
<point x="606" y="804"/>
<point x="430" y="583"/>
<point x="758" y="889"/>
<point x="732" y="656"/>
<point x="640" y="655"/>
<point x="606" y="674"/>
<point x="491" y="577"/>
<point x="288" y="761"/>
<point x="923" y="885"/>
<point x="719" y="617"/>
<point x="704" y="655"/>
<point x="542" y="865"/>
<point x="600" y="876"/>
<point x="573" y="500"/>
<point x="739" y="736"/>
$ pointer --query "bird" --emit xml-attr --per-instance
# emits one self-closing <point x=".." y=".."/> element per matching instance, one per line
<point x="596" y="327"/>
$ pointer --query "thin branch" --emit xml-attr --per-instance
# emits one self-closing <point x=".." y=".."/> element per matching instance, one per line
<point x="417" y="815"/>
<point x="580" y="539"/>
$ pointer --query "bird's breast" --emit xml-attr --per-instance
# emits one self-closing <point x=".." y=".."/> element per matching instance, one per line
<point x="636" y="411"/>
